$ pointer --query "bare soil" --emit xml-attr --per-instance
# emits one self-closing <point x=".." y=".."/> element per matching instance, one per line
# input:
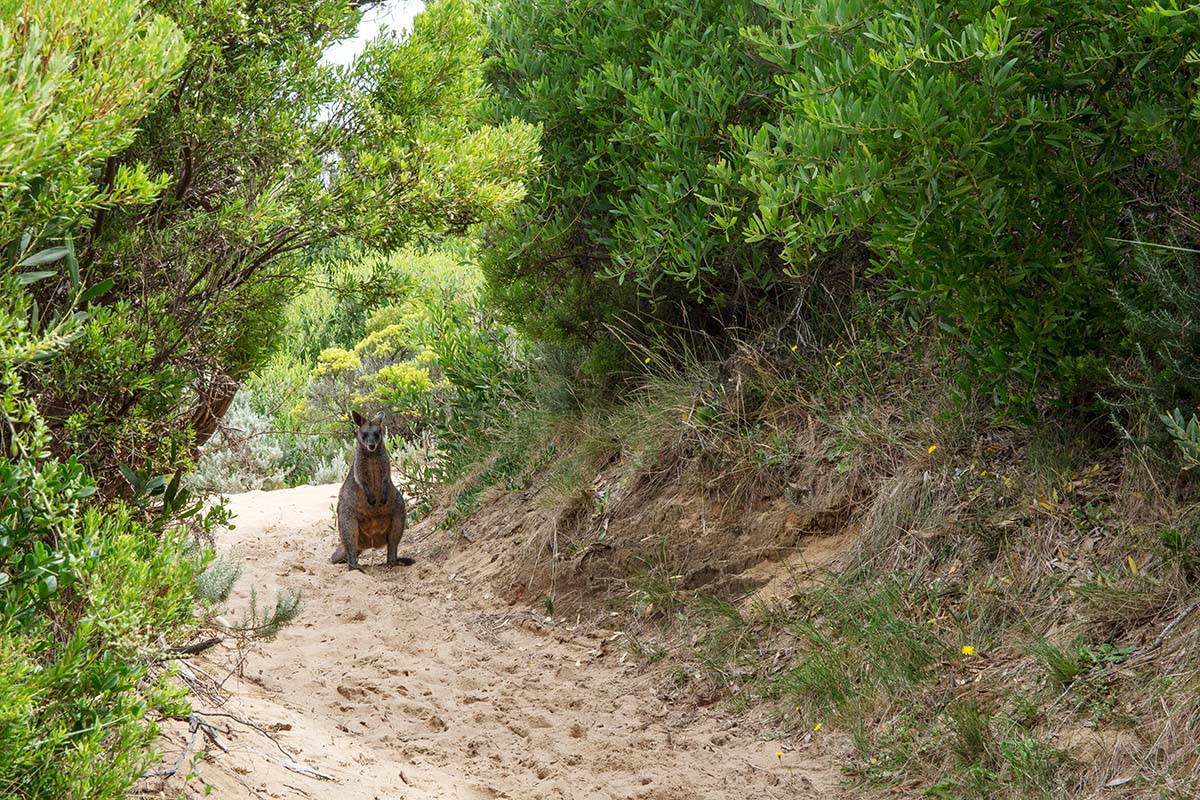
<point x="423" y="682"/>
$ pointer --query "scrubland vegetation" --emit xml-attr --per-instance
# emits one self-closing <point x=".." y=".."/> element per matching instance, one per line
<point x="169" y="175"/>
<point x="714" y="282"/>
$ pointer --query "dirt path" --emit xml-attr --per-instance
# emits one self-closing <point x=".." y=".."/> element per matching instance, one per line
<point x="417" y="683"/>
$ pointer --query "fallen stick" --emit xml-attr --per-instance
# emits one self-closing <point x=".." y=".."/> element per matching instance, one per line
<point x="197" y="647"/>
<point x="211" y="733"/>
<point x="296" y="766"/>
<point x="250" y="724"/>
<point x="169" y="771"/>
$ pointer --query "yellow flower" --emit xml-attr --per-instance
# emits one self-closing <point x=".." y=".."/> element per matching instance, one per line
<point x="816" y="727"/>
<point x="968" y="650"/>
<point x="838" y="364"/>
<point x="794" y="347"/>
<point x="983" y="473"/>
<point x="779" y="754"/>
<point x="931" y="449"/>
<point x="647" y="361"/>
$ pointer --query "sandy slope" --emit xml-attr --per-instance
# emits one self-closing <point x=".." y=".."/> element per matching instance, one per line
<point x="416" y="682"/>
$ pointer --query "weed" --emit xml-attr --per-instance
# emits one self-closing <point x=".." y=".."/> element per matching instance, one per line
<point x="972" y="741"/>
<point x="1032" y="765"/>
<point x="265" y="623"/>
<point x="655" y="592"/>
<point x="857" y="646"/>
<point x="1063" y="665"/>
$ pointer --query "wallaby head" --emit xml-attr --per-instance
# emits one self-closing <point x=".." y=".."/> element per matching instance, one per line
<point x="370" y="432"/>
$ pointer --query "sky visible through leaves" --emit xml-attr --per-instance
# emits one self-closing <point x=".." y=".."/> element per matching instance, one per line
<point x="395" y="15"/>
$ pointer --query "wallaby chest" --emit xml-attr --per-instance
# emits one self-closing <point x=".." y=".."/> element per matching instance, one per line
<point x="368" y="488"/>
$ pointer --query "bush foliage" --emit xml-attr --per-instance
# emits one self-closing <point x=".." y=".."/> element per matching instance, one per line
<point x="168" y="173"/>
<point x="406" y="334"/>
<point x="75" y="692"/>
<point x="379" y="152"/>
<point x="990" y="152"/>
<point x="637" y="102"/>
<point x="701" y="159"/>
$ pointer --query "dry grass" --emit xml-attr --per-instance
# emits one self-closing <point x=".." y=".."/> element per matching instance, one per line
<point x="1041" y="551"/>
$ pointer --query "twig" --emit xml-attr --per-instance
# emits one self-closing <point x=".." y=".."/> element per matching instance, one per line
<point x="1172" y="625"/>
<point x="432" y="530"/>
<point x="237" y="667"/>
<point x="210" y="732"/>
<point x="169" y="771"/>
<point x="197" y="725"/>
<point x="197" y="647"/>
<point x="296" y="766"/>
<point x="250" y="724"/>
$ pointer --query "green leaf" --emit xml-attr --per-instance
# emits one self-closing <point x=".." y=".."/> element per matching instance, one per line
<point x="130" y="476"/>
<point x="47" y="256"/>
<point x="26" y="278"/>
<point x="98" y="290"/>
<point x="173" y="487"/>
<point x="72" y="263"/>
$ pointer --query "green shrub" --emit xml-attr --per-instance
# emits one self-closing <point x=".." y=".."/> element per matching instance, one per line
<point x="402" y="386"/>
<point x="85" y="598"/>
<point x="1160" y="384"/>
<point x="988" y="151"/>
<point x="701" y="161"/>
<point x="636" y="100"/>
<point x="405" y="333"/>
<point x="77" y="699"/>
<point x="266" y="154"/>
<point x="75" y="80"/>
<point x="440" y="370"/>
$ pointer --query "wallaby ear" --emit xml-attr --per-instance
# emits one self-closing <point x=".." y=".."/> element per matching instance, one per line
<point x="356" y="418"/>
<point x="379" y="418"/>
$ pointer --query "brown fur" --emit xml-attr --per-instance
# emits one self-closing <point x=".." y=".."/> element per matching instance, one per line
<point x="370" y="509"/>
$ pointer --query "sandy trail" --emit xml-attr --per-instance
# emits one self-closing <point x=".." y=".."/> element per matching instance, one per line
<point x="416" y="682"/>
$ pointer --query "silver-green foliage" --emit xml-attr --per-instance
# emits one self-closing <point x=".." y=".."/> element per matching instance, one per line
<point x="265" y="623"/>
<point x="216" y="582"/>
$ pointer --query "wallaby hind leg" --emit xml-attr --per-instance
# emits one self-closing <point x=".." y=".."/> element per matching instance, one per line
<point x="395" y="532"/>
<point x="348" y="530"/>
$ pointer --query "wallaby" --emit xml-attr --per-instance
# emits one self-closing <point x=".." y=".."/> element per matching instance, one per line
<point x="370" y="510"/>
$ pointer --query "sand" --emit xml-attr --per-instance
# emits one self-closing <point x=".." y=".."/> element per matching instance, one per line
<point x="417" y="682"/>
